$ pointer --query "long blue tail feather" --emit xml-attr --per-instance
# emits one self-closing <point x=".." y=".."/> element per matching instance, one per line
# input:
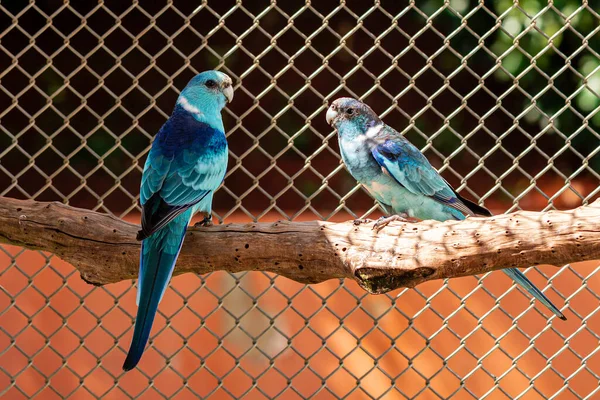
<point x="159" y="253"/>
<point x="522" y="280"/>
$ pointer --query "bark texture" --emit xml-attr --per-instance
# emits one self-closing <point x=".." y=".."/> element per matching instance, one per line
<point x="103" y="248"/>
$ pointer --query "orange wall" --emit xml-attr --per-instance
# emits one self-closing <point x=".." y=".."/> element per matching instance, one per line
<point x="408" y="332"/>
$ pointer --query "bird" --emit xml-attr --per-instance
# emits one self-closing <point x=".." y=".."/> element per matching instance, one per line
<point x="186" y="164"/>
<point x="401" y="178"/>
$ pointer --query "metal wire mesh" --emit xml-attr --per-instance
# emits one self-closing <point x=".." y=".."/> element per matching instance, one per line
<point x="501" y="96"/>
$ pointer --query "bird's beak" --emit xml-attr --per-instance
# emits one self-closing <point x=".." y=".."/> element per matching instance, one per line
<point x="228" y="92"/>
<point x="331" y="115"/>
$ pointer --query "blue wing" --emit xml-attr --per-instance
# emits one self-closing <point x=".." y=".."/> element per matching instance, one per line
<point x="409" y="167"/>
<point x="173" y="182"/>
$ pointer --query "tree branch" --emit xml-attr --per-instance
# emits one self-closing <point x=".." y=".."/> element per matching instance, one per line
<point x="103" y="248"/>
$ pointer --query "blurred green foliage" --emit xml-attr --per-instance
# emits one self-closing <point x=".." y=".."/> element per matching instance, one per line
<point x="552" y="50"/>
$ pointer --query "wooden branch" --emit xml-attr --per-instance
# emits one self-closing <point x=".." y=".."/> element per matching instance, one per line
<point x="103" y="248"/>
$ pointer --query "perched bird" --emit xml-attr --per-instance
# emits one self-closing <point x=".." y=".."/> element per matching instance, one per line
<point x="186" y="164"/>
<point x="399" y="176"/>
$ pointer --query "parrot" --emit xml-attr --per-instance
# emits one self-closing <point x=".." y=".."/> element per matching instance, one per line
<point x="401" y="178"/>
<point x="186" y="164"/>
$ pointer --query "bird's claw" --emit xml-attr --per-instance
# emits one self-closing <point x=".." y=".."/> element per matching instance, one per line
<point x="385" y="221"/>
<point x="206" y="221"/>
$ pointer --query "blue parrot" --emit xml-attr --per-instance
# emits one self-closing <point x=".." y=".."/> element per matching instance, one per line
<point x="186" y="164"/>
<point x="400" y="178"/>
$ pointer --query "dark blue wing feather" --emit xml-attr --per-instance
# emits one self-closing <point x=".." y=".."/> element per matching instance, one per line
<point x="409" y="167"/>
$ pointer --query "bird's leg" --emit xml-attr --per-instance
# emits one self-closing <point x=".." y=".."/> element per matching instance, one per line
<point x="360" y="221"/>
<point x="206" y="221"/>
<point x="384" y="221"/>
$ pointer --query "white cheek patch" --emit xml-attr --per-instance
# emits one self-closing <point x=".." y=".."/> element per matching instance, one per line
<point x="373" y="131"/>
<point x="370" y="134"/>
<point x="187" y="106"/>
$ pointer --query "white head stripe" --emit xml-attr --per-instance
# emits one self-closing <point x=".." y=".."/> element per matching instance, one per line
<point x="187" y="106"/>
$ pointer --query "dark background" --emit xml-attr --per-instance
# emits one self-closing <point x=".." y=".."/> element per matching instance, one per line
<point x="82" y="97"/>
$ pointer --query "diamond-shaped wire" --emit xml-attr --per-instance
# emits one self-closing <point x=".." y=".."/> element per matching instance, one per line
<point x="502" y="97"/>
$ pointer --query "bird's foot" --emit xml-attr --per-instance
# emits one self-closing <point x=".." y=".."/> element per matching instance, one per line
<point x="207" y="221"/>
<point x="361" y="221"/>
<point x="385" y="221"/>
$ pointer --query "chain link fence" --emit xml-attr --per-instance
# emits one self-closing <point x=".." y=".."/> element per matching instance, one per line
<point x="502" y="96"/>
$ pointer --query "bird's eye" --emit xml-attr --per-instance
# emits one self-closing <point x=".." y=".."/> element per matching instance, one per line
<point x="210" y="83"/>
<point x="350" y="111"/>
